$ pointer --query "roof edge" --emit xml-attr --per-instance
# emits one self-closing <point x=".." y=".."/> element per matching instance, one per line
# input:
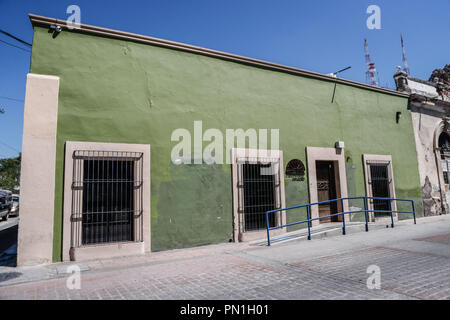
<point x="37" y="20"/>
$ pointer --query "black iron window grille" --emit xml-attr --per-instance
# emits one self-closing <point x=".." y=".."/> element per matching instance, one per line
<point x="444" y="146"/>
<point x="295" y="169"/>
<point x="259" y="191"/>
<point x="445" y="169"/>
<point x="106" y="197"/>
<point x="379" y="179"/>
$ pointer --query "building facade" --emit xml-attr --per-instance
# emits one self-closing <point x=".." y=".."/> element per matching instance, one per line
<point x="105" y="114"/>
<point x="430" y="107"/>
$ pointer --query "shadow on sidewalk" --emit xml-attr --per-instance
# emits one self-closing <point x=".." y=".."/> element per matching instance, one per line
<point x="9" y="275"/>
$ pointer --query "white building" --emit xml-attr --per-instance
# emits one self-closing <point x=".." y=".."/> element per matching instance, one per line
<point x="429" y="103"/>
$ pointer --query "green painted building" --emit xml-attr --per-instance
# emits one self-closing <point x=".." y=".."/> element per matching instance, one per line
<point x="99" y="178"/>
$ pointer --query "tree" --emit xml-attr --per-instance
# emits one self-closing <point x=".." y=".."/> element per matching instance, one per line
<point x="10" y="173"/>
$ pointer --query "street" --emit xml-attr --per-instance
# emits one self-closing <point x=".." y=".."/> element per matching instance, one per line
<point x="413" y="260"/>
<point x="8" y="241"/>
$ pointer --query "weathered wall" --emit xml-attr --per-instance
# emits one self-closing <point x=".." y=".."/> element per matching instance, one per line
<point x="125" y="92"/>
<point x="426" y="123"/>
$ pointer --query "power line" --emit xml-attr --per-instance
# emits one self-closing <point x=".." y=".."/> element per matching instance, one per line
<point x="12" y="99"/>
<point x="15" y="38"/>
<point x="7" y="145"/>
<point x="12" y="45"/>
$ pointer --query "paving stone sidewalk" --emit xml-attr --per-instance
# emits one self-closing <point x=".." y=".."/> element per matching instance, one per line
<point x="412" y="267"/>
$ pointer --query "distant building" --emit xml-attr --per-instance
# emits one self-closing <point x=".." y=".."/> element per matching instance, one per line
<point x="429" y="103"/>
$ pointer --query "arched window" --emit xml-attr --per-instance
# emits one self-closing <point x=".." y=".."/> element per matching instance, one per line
<point x="295" y="169"/>
<point x="444" y="146"/>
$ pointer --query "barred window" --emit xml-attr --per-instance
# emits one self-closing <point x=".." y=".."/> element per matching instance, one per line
<point x="259" y="182"/>
<point x="379" y="179"/>
<point x="444" y="145"/>
<point x="106" y="197"/>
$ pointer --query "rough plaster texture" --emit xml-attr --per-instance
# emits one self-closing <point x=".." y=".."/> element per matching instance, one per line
<point x="119" y="91"/>
<point x="37" y="184"/>
<point x="426" y="127"/>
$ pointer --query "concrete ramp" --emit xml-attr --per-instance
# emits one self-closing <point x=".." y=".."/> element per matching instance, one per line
<point x="321" y="231"/>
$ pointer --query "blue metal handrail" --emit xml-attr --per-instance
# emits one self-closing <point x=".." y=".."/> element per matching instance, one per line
<point x="366" y="211"/>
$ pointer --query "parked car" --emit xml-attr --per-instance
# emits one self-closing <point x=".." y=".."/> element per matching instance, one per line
<point x="15" y="206"/>
<point x="5" y="204"/>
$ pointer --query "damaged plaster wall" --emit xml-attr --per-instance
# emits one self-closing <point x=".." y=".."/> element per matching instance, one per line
<point x="425" y="123"/>
<point x="429" y="105"/>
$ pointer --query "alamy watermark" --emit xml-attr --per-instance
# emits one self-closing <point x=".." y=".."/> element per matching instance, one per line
<point x="190" y="148"/>
<point x="374" y="20"/>
<point x="73" y="282"/>
<point x="374" y="280"/>
<point x="74" y="20"/>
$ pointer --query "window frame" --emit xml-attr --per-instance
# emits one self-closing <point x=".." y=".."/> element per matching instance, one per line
<point x="239" y="155"/>
<point x="367" y="160"/>
<point x="112" y="249"/>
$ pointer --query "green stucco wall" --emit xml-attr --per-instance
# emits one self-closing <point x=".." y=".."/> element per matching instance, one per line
<point x="126" y="92"/>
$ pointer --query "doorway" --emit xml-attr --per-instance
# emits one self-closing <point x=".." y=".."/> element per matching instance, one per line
<point x="326" y="190"/>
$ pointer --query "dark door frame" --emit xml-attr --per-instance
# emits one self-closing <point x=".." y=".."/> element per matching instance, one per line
<point x="335" y="155"/>
<point x="330" y="186"/>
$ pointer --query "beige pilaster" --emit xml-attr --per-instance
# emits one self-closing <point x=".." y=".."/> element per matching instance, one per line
<point x="37" y="177"/>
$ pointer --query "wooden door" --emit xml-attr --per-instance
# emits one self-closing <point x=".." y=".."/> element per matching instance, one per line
<point x="326" y="190"/>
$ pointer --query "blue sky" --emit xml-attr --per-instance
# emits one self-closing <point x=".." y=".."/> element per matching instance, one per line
<point x="322" y="36"/>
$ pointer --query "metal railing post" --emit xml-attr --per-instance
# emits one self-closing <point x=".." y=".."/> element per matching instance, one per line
<point x="343" y="217"/>
<point x="309" y="222"/>
<point x="343" y="212"/>
<point x="267" y="226"/>
<point x="366" y="215"/>
<point x="392" y="215"/>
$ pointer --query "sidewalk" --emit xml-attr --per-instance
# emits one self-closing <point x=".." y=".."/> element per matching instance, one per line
<point x="414" y="260"/>
<point x="9" y="276"/>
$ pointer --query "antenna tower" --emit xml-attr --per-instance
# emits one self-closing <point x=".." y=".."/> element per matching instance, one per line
<point x="405" y="62"/>
<point x="371" y="71"/>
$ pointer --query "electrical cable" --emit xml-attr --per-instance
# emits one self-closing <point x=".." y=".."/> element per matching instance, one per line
<point x="12" y="99"/>
<point x="7" y="145"/>
<point x="12" y="45"/>
<point x="15" y="38"/>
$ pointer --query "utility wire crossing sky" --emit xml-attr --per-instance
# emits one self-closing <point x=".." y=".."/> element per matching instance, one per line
<point x="321" y="36"/>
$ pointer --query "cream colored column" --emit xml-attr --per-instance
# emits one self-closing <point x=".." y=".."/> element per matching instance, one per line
<point x="37" y="176"/>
